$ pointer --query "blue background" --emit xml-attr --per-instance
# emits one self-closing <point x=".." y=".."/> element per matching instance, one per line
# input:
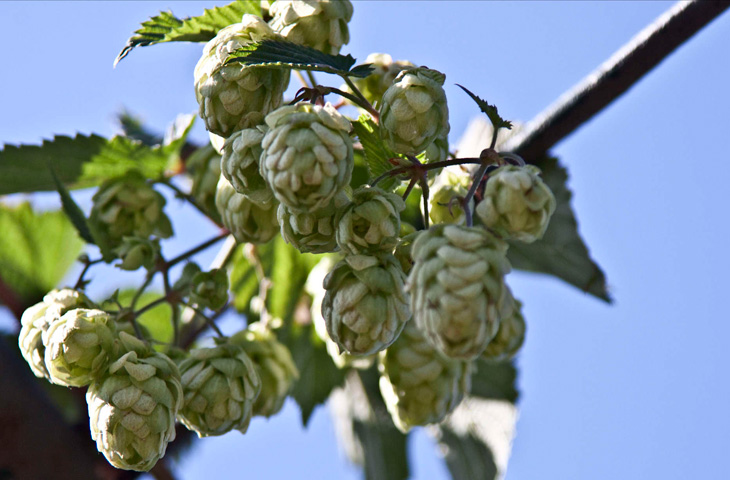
<point x="635" y="390"/>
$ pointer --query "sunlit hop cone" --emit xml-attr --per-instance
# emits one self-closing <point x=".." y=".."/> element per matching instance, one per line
<point x="517" y="203"/>
<point x="132" y="407"/>
<point x="220" y="386"/>
<point x="419" y="385"/>
<point x="455" y="285"/>
<point x="274" y="364"/>
<point x="511" y="333"/>
<point x="205" y="167"/>
<point x="246" y="220"/>
<point x="414" y="111"/>
<point x="384" y="72"/>
<point x="312" y="232"/>
<point x="127" y="206"/>
<point x="79" y="346"/>
<point x="371" y="223"/>
<point x="365" y="307"/>
<point x="210" y="289"/>
<point x="320" y="24"/>
<point x="236" y="96"/>
<point x="438" y="151"/>
<point x="308" y="156"/>
<point x="447" y="192"/>
<point x="36" y="320"/>
<point x="240" y="165"/>
<point x="136" y="252"/>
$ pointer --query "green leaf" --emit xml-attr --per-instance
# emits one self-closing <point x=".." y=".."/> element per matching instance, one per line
<point x="496" y="381"/>
<point x="285" y="54"/>
<point x="377" y="154"/>
<point x="289" y="272"/>
<point x="134" y="128"/>
<point x="73" y="211"/>
<point x="489" y="110"/>
<point x="561" y="252"/>
<point x="36" y="250"/>
<point x="467" y="457"/>
<point x="166" y="27"/>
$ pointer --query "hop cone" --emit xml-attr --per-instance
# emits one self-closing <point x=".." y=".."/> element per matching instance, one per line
<point x="205" y="167"/>
<point x="384" y="72"/>
<point x="127" y="206"/>
<point x="418" y="384"/>
<point x="365" y="307"/>
<point x="240" y="165"/>
<point x="38" y="318"/>
<point x="132" y="407"/>
<point x="455" y="284"/>
<point x="308" y="156"/>
<point x="220" y="386"/>
<point x="311" y="232"/>
<point x="274" y="364"/>
<point x="235" y="96"/>
<point x="136" y="252"/>
<point x="414" y="112"/>
<point x="517" y="204"/>
<point x="511" y="333"/>
<point x="247" y="221"/>
<point x="210" y="289"/>
<point x="444" y="203"/>
<point x="78" y="347"/>
<point x="438" y="151"/>
<point x="320" y="24"/>
<point x="371" y="223"/>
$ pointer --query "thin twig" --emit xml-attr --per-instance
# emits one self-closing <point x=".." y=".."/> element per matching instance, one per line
<point x="425" y="167"/>
<point x="301" y="78"/>
<point x="197" y="249"/>
<point x="87" y="264"/>
<point x="371" y="110"/>
<point x="208" y="320"/>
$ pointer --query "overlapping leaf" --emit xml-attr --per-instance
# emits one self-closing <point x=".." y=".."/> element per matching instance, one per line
<point x="377" y="154"/>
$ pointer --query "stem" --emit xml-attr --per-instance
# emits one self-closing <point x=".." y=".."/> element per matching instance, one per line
<point x="424" y="192"/>
<point x="412" y="184"/>
<point x="355" y="99"/>
<point x="208" y="321"/>
<point x="426" y="167"/>
<point x="87" y="265"/>
<point x="197" y="249"/>
<point x="150" y="306"/>
<point x="175" y="323"/>
<point x="363" y="101"/>
<point x="313" y="80"/>
<point x="301" y="78"/>
<point x="140" y="291"/>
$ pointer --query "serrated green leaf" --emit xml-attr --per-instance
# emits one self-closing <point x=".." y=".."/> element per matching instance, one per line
<point x="285" y="54"/>
<point x="489" y="110"/>
<point x="377" y="154"/>
<point x="72" y="210"/>
<point x="36" y="249"/>
<point x="166" y="27"/>
<point x="561" y="252"/>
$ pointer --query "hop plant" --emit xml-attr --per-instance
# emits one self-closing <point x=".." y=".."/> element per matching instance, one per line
<point x="312" y="232"/>
<point x="78" y="347"/>
<point x="517" y="204"/>
<point x="205" y="166"/>
<point x="246" y="220"/>
<point x="438" y="151"/>
<point x="365" y="307"/>
<point x="274" y="364"/>
<point x="36" y="320"/>
<point x="220" y="385"/>
<point x="414" y="112"/>
<point x="381" y="78"/>
<point x="419" y="385"/>
<point x="136" y="252"/>
<point x="308" y="156"/>
<point x="371" y="223"/>
<point x="132" y="407"/>
<point x="127" y="206"/>
<point x="236" y="96"/>
<point x="443" y="208"/>
<point x="320" y="24"/>
<point x="240" y="165"/>
<point x="455" y="285"/>
<point x="511" y="333"/>
<point x="210" y="289"/>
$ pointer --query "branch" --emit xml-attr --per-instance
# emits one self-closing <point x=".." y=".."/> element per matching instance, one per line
<point x="614" y="77"/>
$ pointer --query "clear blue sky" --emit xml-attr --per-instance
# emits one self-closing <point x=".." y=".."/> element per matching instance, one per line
<point x="635" y="390"/>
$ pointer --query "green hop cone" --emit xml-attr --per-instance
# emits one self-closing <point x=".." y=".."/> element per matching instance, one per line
<point x="517" y="203"/>
<point x="236" y="96"/>
<point x="220" y="385"/>
<point x="132" y="407"/>
<point x="414" y="112"/>
<point x="511" y="334"/>
<point x="445" y="202"/>
<point x="438" y="151"/>
<point x="384" y="72"/>
<point x="419" y="385"/>
<point x="78" y="347"/>
<point x="312" y="232"/>
<point x="127" y="206"/>
<point x="402" y="251"/>
<point x="320" y="24"/>
<point x="371" y="223"/>
<point x="365" y="307"/>
<point x="136" y="252"/>
<point x="184" y="284"/>
<point x="308" y="156"/>
<point x="240" y="165"/>
<point x="210" y="289"/>
<point x="246" y="220"/>
<point x="455" y="284"/>
<point x="274" y="364"/>
<point x="205" y="168"/>
<point x="36" y="320"/>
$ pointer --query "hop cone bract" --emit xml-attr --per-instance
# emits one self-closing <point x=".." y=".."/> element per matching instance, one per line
<point x="371" y="223"/>
<point x="312" y="232"/>
<point x="445" y="206"/>
<point x="240" y="165"/>
<point x="455" y="285"/>
<point x="132" y="407"/>
<point x="320" y="24"/>
<point x="511" y="333"/>
<point x="365" y="307"/>
<point x="246" y="220"/>
<point x="205" y="167"/>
